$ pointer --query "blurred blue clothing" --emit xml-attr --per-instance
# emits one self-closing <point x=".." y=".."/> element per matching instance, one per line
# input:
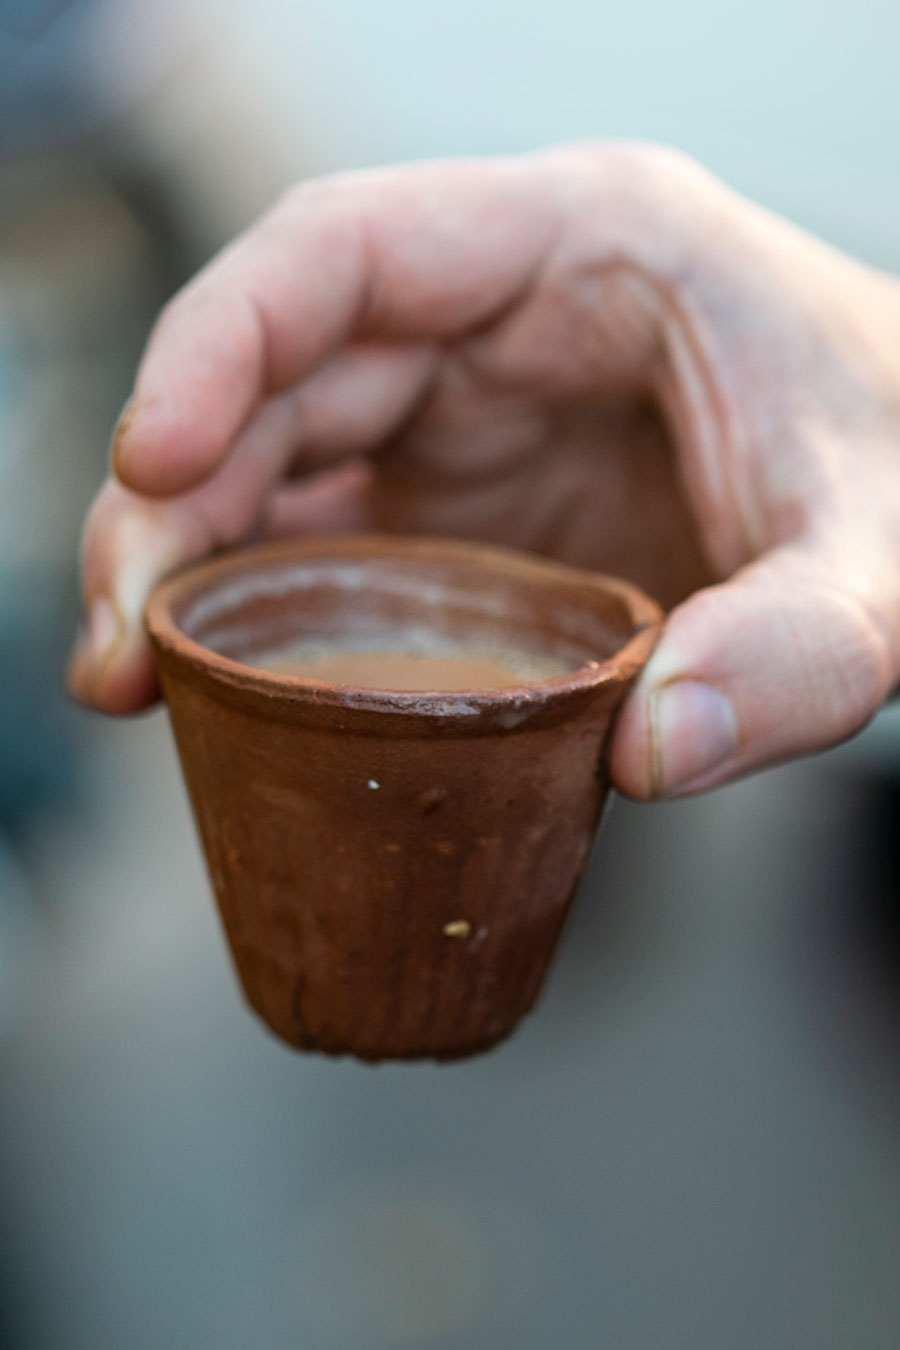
<point x="38" y="736"/>
<point x="40" y="105"/>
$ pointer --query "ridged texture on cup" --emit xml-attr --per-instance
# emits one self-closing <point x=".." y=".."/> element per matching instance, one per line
<point x="393" y="870"/>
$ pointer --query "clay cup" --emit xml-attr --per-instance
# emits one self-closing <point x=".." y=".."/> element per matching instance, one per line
<point x="393" y="869"/>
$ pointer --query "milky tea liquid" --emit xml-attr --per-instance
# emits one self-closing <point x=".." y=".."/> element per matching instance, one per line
<point x="397" y="670"/>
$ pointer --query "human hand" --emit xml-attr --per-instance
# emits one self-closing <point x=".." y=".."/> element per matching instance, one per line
<point x="599" y="353"/>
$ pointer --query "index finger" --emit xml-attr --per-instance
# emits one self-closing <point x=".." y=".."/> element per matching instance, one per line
<point x="424" y="251"/>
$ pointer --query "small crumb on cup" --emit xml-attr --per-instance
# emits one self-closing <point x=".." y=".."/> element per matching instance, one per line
<point x="457" y="928"/>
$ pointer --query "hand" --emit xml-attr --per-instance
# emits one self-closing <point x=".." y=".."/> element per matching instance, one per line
<point x="598" y="353"/>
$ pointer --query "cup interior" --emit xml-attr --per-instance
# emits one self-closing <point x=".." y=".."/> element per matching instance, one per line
<point x="421" y="596"/>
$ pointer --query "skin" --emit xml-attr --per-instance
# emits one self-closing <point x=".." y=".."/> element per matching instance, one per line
<point x="600" y="353"/>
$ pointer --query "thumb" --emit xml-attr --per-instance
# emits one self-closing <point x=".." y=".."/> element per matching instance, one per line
<point x="788" y="657"/>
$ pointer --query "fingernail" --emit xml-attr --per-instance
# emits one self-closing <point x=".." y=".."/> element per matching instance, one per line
<point x="693" y="730"/>
<point x="120" y="432"/>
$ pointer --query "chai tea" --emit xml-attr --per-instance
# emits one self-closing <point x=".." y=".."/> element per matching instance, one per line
<point x="402" y="671"/>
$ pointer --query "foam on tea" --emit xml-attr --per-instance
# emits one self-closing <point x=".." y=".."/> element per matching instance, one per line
<point x="402" y="669"/>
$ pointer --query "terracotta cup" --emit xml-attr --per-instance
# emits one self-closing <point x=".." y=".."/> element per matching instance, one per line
<point x="394" y="869"/>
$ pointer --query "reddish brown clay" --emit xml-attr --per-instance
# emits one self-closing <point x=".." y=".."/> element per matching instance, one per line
<point x="393" y="869"/>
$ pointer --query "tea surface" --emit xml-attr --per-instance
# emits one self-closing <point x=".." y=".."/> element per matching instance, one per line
<point x="405" y="671"/>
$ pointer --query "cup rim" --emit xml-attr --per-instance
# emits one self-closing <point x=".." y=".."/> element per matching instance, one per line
<point x="167" y="636"/>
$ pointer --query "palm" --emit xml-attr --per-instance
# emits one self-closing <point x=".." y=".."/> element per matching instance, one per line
<point x="582" y="480"/>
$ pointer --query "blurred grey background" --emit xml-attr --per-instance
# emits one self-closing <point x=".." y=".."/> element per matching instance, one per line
<point x="694" y="1141"/>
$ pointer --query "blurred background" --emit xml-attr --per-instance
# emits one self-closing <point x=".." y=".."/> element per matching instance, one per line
<point x="694" y="1141"/>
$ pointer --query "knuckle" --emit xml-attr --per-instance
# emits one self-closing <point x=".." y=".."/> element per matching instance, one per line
<point x="656" y="202"/>
<point x="321" y="192"/>
<point x="863" y="666"/>
<point x="647" y="165"/>
<point x="298" y="196"/>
